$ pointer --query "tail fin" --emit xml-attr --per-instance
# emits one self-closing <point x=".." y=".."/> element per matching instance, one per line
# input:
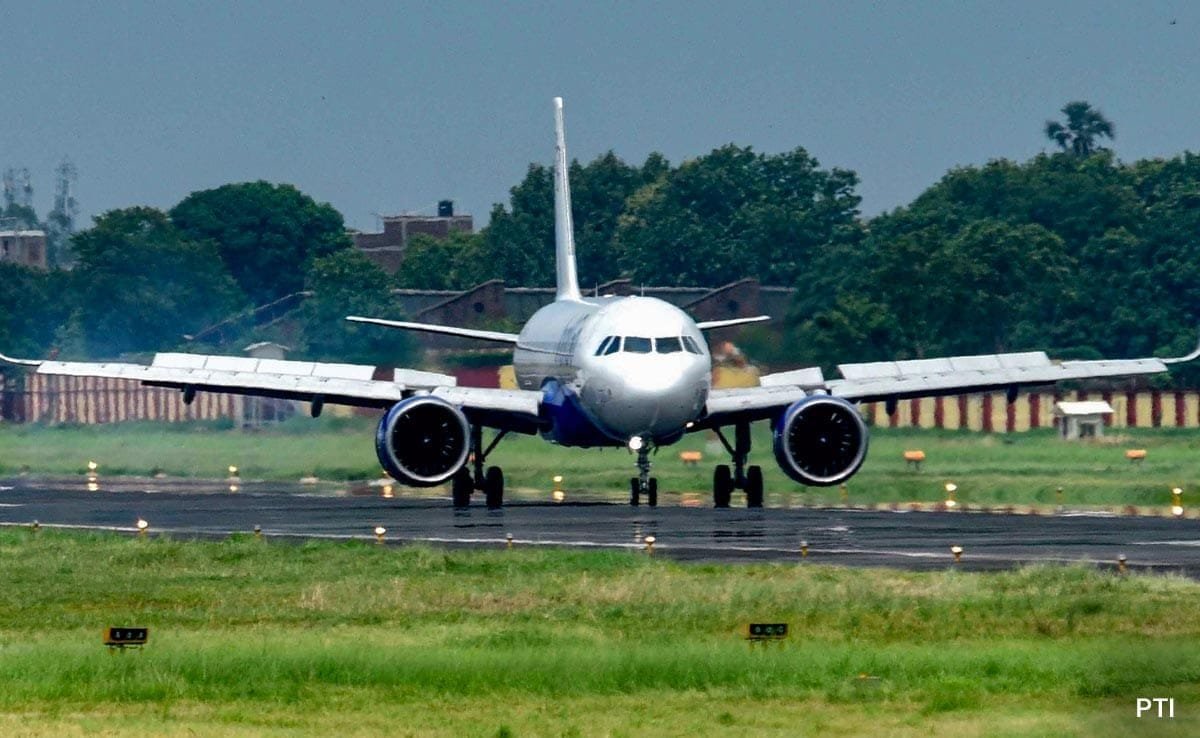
<point x="564" y="230"/>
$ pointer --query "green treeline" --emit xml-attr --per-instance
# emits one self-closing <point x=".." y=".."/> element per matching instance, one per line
<point x="1075" y="252"/>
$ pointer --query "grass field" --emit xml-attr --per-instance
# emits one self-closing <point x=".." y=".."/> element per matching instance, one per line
<point x="260" y="638"/>
<point x="1018" y="468"/>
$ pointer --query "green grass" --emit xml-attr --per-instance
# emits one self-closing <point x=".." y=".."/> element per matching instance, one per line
<point x="260" y="638"/>
<point x="1020" y="468"/>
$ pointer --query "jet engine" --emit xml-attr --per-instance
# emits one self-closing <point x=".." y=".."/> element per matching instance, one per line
<point x="422" y="441"/>
<point x="820" y="440"/>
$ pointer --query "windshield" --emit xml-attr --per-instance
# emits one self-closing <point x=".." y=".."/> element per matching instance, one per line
<point x="637" y="345"/>
<point x="668" y="345"/>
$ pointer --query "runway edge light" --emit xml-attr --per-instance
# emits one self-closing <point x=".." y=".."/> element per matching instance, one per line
<point x="958" y="552"/>
<point x="142" y="525"/>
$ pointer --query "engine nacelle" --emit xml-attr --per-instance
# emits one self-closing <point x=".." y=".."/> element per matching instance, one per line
<point x="422" y="441"/>
<point x="820" y="440"/>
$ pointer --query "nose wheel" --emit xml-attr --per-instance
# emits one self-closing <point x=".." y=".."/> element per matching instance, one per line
<point x="643" y="483"/>
<point x="748" y="479"/>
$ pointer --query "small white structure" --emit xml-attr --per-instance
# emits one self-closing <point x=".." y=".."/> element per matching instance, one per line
<point x="260" y="411"/>
<point x="266" y="350"/>
<point x="1084" y="419"/>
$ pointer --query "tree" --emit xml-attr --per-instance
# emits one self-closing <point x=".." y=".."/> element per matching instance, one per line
<point x="347" y="283"/>
<point x="268" y="235"/>
<point x="141" y="283"/>
<point x="519" y="241"/>
<point x="455" y="262"/>
<point x="31" y="307"/>
<point x="1084" y="125"/>
<point x="735" y="213"/>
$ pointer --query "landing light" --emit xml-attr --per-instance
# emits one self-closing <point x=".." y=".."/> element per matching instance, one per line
<point x="635" y="443"/>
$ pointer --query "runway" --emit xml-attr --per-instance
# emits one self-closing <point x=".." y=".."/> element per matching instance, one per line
<point x="910" y="540"/>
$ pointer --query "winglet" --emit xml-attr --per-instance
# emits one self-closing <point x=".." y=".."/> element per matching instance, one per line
<point x="1182" y="359"/>
<point x="18" y="362"/>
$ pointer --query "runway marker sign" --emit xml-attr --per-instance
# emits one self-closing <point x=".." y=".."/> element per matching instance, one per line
<point x="123" y="637"/>
<point x="766" y="631"/>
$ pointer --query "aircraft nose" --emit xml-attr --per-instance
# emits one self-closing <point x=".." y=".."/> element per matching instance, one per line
<point x="656" y="399"/>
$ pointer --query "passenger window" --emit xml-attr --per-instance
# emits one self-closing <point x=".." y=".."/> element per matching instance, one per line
<point x="613" y="347"/>
<point x="669" y="345"/>
<point x="635" y="345"/>
<point x="604" y="345"/>
<point x="690" y="345"/>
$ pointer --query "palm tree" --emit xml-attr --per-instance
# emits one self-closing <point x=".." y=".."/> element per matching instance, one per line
<point x="1084" y="125"/>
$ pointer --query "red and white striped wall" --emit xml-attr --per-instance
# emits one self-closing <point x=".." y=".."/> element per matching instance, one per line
<point x="992" y="413"/>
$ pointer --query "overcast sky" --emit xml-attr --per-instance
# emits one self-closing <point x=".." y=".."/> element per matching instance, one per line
<point x="385" y="107"/>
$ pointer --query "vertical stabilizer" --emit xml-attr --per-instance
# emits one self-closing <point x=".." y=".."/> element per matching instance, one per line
<point x="564" y="230"/>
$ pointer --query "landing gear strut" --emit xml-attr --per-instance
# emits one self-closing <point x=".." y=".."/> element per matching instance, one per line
<point x="489" y="481"/>
<point x="643" y="483"/>
<point x="741" y="477"/>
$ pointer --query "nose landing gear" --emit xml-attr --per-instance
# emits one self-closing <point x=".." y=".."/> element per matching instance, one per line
<point x="643" y="483"/>
<point x="749" y="479"/>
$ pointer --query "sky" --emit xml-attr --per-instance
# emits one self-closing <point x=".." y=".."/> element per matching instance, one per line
<point x="387" y="107"/>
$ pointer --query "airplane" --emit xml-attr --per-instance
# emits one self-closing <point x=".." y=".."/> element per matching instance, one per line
<point x="630" y="372"/>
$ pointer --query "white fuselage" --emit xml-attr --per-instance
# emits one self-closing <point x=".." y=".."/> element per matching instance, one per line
<point x="638" y="366"/>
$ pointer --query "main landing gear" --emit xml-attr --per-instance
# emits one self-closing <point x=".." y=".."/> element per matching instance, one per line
<point x="741" y="477"/>
<point x="490" y="482"/>
<point x="643" y="483"/>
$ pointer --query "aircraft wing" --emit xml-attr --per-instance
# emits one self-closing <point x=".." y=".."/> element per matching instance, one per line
<point x="445" y="330"/>
<point x="890" y="381"/>
<point x="319" y="383"/>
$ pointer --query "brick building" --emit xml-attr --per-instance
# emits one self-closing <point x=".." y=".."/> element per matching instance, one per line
<point x="387" y="248"/>
<point x="23" y="247"/>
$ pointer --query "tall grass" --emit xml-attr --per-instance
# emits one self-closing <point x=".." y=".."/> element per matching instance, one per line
<point x="255" y="637"/>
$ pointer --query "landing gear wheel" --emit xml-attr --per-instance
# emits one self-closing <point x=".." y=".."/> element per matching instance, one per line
<point x="652" y="493"/>
<point x="754" y="487"/>
<point x="461" y="487"/>
<point x="635" y="491"/>
<point x="722" y="486"/>
<point x="493" y="487"/>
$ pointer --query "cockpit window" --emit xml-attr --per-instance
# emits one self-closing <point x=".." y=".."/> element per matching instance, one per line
<point x="637" y="345"/>
<point x="614" y="346"/>
<point x="604" y="345"/>
<point x="668" y="345"/>
<point x="690" y="345"/>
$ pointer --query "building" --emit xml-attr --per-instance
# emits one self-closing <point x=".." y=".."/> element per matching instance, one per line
<point x="27" y="248"/>
<point x="387" y="248"/>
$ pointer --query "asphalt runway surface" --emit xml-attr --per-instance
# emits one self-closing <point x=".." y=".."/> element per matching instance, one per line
<point x="687" y="531"/>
